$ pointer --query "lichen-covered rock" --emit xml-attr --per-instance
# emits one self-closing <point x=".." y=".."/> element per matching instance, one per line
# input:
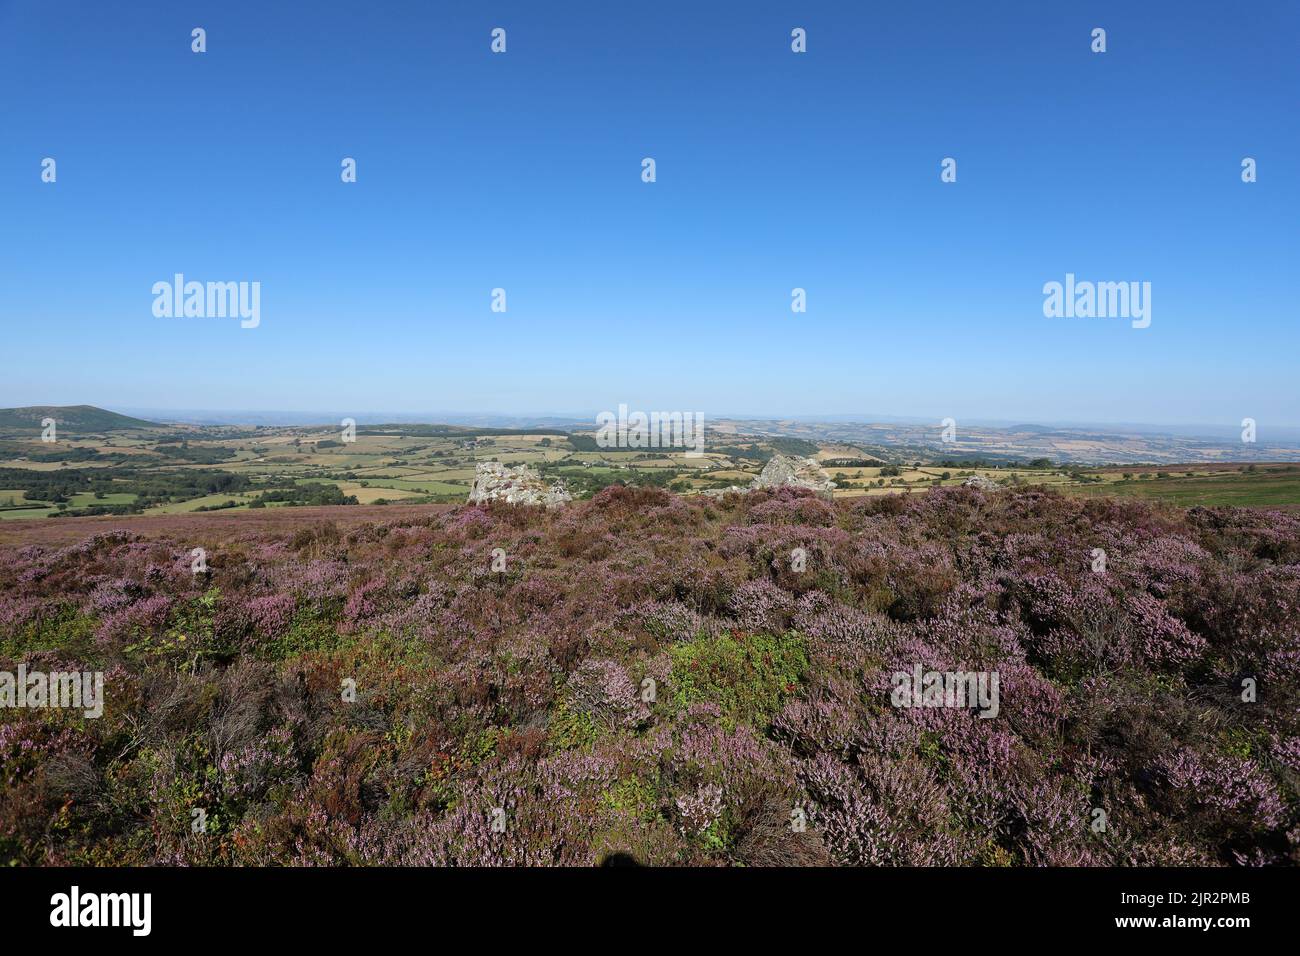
<point x="980" y="482"/>
<point x="794" y="472"/>
<point x="520" y="485"/>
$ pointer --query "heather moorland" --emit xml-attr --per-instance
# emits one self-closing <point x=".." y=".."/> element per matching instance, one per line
<point x="677" y="680"/>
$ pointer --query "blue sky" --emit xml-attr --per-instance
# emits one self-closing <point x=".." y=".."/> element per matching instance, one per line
<point x="775" y="170"/>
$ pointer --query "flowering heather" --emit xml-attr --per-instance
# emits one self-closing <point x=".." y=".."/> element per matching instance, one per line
<point x="269" y="616"/>
<point x="604" y="690"/>
<point x="654" y="676"/>
<point x="701" y="810"/>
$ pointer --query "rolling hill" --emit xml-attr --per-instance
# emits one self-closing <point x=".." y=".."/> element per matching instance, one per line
<point x="72" y="418"/>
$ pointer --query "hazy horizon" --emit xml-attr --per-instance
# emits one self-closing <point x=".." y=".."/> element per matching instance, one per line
<point x="548" y="418"/>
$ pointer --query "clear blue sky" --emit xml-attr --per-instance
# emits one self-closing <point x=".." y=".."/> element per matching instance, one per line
<point x="775" y="170"/>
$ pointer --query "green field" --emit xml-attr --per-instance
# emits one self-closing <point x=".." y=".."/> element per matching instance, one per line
<point x="1266" y="487"/>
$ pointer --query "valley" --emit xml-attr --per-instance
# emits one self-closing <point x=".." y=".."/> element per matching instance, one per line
<point x="103" y="464"/>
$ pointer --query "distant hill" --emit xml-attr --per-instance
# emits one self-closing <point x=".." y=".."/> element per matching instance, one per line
<point x="73" y="418"/>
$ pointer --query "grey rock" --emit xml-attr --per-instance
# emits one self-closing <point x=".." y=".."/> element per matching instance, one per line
<point x="520" y="485"/>
<point x="794" y="472"/>
<point x="719" y="492"/>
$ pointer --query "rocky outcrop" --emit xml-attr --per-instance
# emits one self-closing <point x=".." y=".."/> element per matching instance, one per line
<point x="790" y="471"/>
<point x="980" y="482"/>
<point x="520" y="485"/>
<point x="729" y="490"/>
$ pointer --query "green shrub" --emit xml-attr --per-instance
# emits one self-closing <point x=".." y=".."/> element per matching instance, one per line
<point x="747" y="675"/>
